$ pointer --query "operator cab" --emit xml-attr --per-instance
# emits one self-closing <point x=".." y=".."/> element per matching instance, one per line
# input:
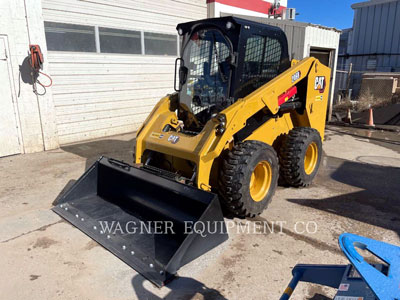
<point x="222" y="60"/>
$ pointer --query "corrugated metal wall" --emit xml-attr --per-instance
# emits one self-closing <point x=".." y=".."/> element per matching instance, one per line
<point x="301" y="36"/>
<point x="295" y="33"/>
<point x="377" y="31"/>
<point x="97" y="94"/>
<point x="317" y="37"/>
<point x="376" y="35"/>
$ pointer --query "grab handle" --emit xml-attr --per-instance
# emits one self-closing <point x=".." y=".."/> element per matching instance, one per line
<point x="119" y="164"/>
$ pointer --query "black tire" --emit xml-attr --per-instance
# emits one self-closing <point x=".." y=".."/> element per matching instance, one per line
<point x="236" y="173"/>
<point x="277" y="146"/>
<point x="292" y="156"/>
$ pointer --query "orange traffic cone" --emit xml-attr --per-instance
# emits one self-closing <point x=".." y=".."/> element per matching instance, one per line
<point x="371" y="117"/>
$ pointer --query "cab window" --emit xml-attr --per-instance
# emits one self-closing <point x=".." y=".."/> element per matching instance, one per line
<point x="262" y="60"/>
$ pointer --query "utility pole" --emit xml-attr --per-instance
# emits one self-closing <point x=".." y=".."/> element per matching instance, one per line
<point x="349" y="79"/>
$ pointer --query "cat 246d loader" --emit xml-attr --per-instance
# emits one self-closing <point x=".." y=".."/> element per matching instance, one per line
<point x="242" y="117"/>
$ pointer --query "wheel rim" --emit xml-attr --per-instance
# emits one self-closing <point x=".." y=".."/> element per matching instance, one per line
<point x="260" y="181"/>
<point x="311" y="158"/>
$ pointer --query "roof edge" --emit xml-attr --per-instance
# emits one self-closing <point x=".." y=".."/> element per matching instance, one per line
<point x="370" y="3"/>
<point x="278" y="21"/>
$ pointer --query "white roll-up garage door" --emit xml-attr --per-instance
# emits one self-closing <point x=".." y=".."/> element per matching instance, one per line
<point x="111" y="61"/>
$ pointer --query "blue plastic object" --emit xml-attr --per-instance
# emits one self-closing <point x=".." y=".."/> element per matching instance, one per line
<point x="329" y="275"/>
<point x="383" y="286"/>
<point x="360" y="280"/>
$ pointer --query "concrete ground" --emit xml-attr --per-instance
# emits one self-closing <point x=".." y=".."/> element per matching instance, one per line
<point x="43" y="257"/>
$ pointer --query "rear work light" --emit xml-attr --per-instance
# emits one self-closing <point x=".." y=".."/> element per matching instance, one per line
<point x="287" y="95"/>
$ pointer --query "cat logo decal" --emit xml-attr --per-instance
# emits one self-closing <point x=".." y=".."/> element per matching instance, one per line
<point x="320" y="84"/>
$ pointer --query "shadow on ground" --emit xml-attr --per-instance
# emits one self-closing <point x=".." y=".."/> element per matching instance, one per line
<point x="93" y="150"/>
<point x="181" y="288"/>
<point x="319" y="297"/>
<point x="118" y="149"/>
<point x="372" y="192"/>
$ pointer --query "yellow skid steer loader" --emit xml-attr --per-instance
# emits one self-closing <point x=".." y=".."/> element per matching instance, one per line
<point x="242" y="117"/>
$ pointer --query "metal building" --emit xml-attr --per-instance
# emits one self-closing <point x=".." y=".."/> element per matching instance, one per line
<point x="110" y="62"/>
<point x="373" y="44"/>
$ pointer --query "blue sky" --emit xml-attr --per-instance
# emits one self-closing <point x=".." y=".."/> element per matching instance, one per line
<point x="332" y="13"/>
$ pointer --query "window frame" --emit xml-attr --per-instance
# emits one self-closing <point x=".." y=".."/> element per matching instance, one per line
<point x="245" y="35"/>
<point x="159" y="33"/>
<point x="97" y="42"/>
<point x="139" y="32"/>
<point x="71" y="24"/>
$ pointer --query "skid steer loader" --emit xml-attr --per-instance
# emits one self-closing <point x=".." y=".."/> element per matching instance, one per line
<point x="242" y="117"/>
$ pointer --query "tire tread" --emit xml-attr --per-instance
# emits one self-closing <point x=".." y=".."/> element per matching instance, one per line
<point x="290" y="155"/>
<point x="232" y="175"/>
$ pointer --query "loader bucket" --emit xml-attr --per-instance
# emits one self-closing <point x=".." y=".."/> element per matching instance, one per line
<point x="144" y="219"/>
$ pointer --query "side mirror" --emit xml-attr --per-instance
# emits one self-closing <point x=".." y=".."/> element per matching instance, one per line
<point x="182" y="75"/>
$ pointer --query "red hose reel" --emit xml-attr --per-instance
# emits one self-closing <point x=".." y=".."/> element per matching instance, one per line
<point x="36" y="62"/>
<point x="36" y="57"/>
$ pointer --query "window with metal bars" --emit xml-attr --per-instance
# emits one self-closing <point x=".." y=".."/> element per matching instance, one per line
<point x="206" y="56"/>
<point x="262" y="62"/>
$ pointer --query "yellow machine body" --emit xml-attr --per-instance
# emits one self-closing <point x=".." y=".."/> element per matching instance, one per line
<point x="243" y="117"/>
<point x="206" y="147"/>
